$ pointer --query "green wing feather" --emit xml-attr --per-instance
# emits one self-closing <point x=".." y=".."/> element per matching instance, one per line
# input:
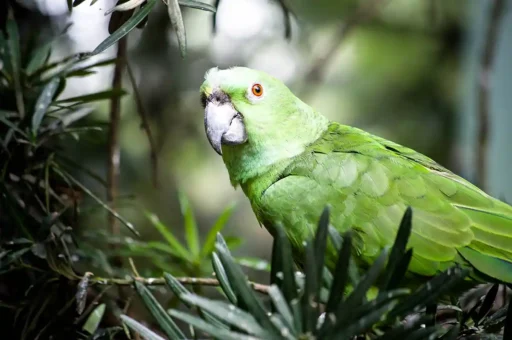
<point x="369" y="182"/>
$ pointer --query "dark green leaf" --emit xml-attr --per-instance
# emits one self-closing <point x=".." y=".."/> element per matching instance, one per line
<point x="125" y="6"/>
<point x="163" y="319"/>
<point x="197" y="5"/>
<point x="400" y="269"/>
<point x="42" y="103"/>
<point x="403" y="330"/>
<point x="13" y="126"/>
<point x="94" y="319"/>
<point x="281" y="307"/>
<point x="229" y="314"/>
<point x="13" y="44"/>
<point x="109" y="94"/>
<point x="363" y="323"/>
<point x="219" y="333"/>
<point x="507" y="331"/>
<point x="359" y="293"/>
<point x="209" y="243"/>
<point x="452" y="334"/>
<point x="39" y="58"/>
<point x="320" y="245"/>
<point x="337" y="241"/>
<point x="77" y="2"/>
<point x="175" y="245"/>
<point x="223" y="279"/>
<point x="145" y="332"/>
<point x="282" y="258"/>
<point x="105" y="206"/>
<point x="191" y="233"/>
<point x="398" y="250"/>
<point x="244" y="292"/>
<point x="488" y="302"/>
<point x="340" y="274"/>
<point x="125" y="28"/>
<point x="173" y="8"/>
<point x="310" y="303"/>
<point x="430" y="291"/>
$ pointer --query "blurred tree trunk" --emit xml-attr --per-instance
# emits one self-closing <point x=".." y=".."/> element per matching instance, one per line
<point x="499" y="153"/>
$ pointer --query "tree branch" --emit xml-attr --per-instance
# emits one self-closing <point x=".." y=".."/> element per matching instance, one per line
<point x="159" y="281"/>
<point x="486" y="67"/>
<point x="145" y="125"/>
<point x="366" y="12"/>
<point x="114" y="149"/>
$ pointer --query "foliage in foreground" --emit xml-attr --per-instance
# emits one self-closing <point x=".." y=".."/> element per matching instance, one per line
<point x="313" y="306"/>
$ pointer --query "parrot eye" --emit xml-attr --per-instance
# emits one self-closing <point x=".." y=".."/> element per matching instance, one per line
<point x="257" y="90"/>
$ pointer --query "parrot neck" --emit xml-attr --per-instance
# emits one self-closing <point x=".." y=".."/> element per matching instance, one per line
<point x="270" y="147"/>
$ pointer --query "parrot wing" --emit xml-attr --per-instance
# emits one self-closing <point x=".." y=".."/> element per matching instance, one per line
<point x="369" y="182"/>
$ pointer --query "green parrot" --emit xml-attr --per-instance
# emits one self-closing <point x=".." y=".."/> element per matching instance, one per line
<point x="291" y="162"/>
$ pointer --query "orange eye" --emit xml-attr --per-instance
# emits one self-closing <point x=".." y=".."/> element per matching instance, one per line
<point x="257" y="90"/>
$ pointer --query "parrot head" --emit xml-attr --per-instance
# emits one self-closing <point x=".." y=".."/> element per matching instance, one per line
<point x="253" y="120"/>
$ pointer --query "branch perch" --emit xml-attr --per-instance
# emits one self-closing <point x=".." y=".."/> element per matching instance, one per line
<point x="159" y="281"/>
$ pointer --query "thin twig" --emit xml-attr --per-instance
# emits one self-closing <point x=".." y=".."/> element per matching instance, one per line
<point x="114" y="149"/>
<point x="159" y="281"/>
<point x="486" y="66"/>
<point x="145" y="125"/>
<point x="367" y="11"/>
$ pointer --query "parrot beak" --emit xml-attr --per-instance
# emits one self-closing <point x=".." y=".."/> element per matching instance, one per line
<point x="223" y="124"/>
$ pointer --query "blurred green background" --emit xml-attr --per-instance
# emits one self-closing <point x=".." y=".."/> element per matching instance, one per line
<point x="408" y="72"/>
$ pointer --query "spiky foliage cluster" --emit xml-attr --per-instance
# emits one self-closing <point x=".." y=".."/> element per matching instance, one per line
<point x="315" y="306"/>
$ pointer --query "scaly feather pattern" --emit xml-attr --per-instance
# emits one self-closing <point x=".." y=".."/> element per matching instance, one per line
<point x="369" y="181"/>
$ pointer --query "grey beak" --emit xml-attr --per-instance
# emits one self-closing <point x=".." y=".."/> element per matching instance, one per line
<point x="223" y="125"/>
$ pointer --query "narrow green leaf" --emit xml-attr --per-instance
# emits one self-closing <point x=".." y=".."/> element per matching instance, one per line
<point x="281" y="307"/>
<point x="403" y="330"/>
<point x="429" y="292"/>
<point x="209" y="243"/>
<point x="13" y="43"/>
<point x="398" y="250"/>
<point x="70" y="5"/>
<point x="507" y="330"/>
<point x="221" y="275"/>
<point x="145" y="332"/>
<point x="191" y="233"/>
<point x="229" y="314"/>
<point x="42" y="103"/>
<point x="40" y="57"/>
<point x="337" y="241"/>
<point x="400" y="269"/>
<point x="173" y="8"/>
<point x="214" y="21"/>
<point x="126" y="6"/>
<point x="284" y="258"/>
<point x="125" y="28"/>
<point x="359" y="293"/>
<point x="179" y="290"/>
<point x="13" y="126"/>
<point x="109" y="94"/>
<point x="340" y="274"/>
<point x="94" y="319"/>
<point x="320" y="246"/>
<point x="363" y="323"/>
<point x="66" y="176"/>
<point x="240" y="285"/>
<point x="197" y="5"/>
<point x="310" y="303"/>
<point x="219" y="333"/>
<point x="77" y="2"/>
<point x="163" y="319"/>
<point x="487" y="304"/>
<point x="181" y="251"/>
